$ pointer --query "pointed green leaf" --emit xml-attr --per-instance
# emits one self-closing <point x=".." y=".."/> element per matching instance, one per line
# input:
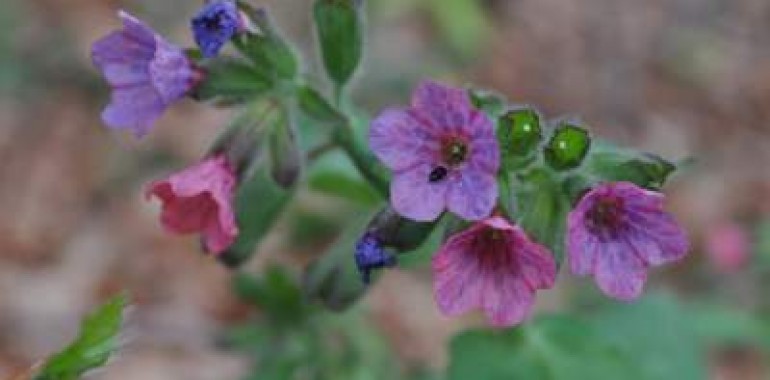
<point x="97" y="341"/>
<point x="609" y="163"/>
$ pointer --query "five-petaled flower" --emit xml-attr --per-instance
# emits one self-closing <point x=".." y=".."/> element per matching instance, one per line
<point x="371" y="255"/>
<point x="215" y="24"/>
<point x="146" y="74"/>
<point x="616" y="232"/>
<point x="443" y="154"/>
<point x="200" y="199"/>
<point x="492" y="266"/>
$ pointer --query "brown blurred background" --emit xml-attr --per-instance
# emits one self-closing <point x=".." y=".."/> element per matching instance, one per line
<point x="681" y="78"/>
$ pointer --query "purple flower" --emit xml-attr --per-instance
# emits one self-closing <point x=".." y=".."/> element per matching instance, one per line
<point x="616" y="232"/>
<point x="492" y="266"/>
<point x="443" y="154"/>
<point x="216" y="23"/>
<point x="146" y="74"/>
<point x="370" y="255"/>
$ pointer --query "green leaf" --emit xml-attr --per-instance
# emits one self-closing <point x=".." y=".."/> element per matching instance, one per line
<point x="542" y="209"/>
<point x="340" y="34"/>
<point x="550" y="348"/>
<point x="231" y="80"/>
<point x="259" y="203"/>
<point x="285" y="153"/>
<point x="658" y="334"/>
<point x="97" y="341"/>
<point x="567" y="147"/>
<point x="609" y="163"/>
<point x="491" y="103"/>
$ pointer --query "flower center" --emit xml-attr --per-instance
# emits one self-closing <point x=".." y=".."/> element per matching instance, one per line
<point x="454" y="152"/>
<point x="607" y="216"/>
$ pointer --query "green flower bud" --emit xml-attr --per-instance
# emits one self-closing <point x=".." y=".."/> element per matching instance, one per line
<point x="568" y="146"/>
<point x="519" y="134"/>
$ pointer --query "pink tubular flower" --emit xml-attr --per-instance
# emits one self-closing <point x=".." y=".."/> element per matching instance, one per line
<point x="443" y="154"/>
<point x="199" y="199"/>
<point x="491" y="266"/>
<point x="146" y="74"/>
<point x="616" y="232"/>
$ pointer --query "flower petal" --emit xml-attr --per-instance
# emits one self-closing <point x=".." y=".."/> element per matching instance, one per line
<point x="472" y="194"/>
<point x="134" y="107"/>
<point x="507" y="300"/>
<point x="399" y="140"/>
<point x="458" y="284"/>
<point x="620" y="273"/>
<point x="443" y="107"/>
<point x="485" y="152"/>
<point x="414" y="197"/>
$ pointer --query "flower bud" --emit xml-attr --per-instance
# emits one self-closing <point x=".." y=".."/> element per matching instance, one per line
<point x="519" y="134"/>
<point x="393" y="230"/>
<point x="568" y="146"/>
<point x="285" y="153"/>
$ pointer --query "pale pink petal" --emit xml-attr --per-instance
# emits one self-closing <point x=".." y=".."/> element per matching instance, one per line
<point x="414" y="197"/>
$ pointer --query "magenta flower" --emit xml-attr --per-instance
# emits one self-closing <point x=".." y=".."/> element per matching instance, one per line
<point x="146" y="74"/>
<point x="616" y="232"/>
<point x="493" y="266"/>
<point x="443" y="154"/>
<point x="200" y="199"/>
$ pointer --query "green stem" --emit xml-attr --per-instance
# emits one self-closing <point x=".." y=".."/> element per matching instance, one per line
<point x="362" y="159"/>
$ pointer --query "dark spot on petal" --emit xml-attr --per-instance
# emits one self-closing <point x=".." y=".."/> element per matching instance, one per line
<point x="437" y="174"/>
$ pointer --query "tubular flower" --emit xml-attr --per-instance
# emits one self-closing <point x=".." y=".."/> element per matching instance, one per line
<point x="146" y="74"/>
<point x="491" y="266"/>
<point x="215" y="24"/>
<point x="200" y="199"/>
<point x="616" y="232"/>
<point x="443" y="154"/>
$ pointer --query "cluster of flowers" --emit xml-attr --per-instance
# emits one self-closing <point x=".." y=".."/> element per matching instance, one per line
<point x="444" y="155"/>
<point x="147" y="74"/>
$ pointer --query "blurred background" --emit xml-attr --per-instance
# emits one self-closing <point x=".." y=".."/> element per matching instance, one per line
<point x="680" y="78"/>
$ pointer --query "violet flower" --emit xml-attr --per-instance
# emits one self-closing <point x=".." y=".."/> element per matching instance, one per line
<point x="146" y="74"/>
<point x="616" y="232"/>
<point x="371" y="255"/>
<point x="200" y="199"/>
<point x="492" y="266"/>
<point x="215" y="24"/>
<point x="443" y="154"/>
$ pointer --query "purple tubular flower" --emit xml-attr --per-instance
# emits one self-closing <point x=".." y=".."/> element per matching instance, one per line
<point x="370" y="255"/>
<point x="616" y="232"/>
<point x="443" y="154"/>
<point x="215" y="24"/>
<point x="146" y="74"/>
<point x="492" y="266"/>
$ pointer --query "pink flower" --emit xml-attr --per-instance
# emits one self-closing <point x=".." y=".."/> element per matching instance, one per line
<point x="200" y="199"/>
<point x="491" y="266"/>
<point x="443" y="153"/>
<point x="616" y="232"/>
<point x="728" y="247"/>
